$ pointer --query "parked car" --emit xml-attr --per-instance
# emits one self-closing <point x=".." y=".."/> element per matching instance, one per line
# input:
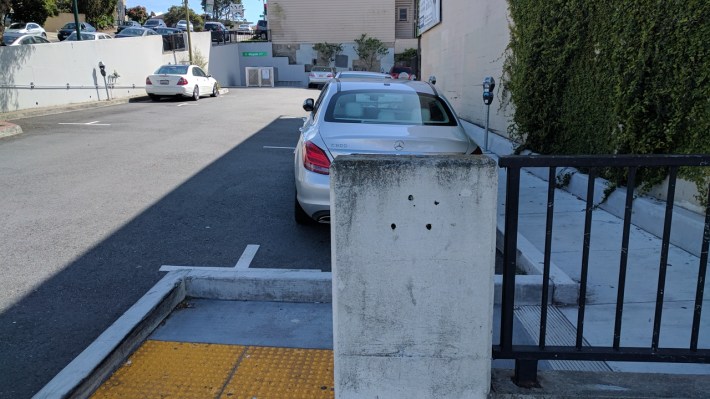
<point x="88" y="36"/>
<point x="261" y="29"/>
<point x="244" y="29"/>
<point x="70" y="27"/>
<point x="167" y="31"/>
<point x="319" y="75"/>
<point x="128" y="24"/>
<point x="182" y="25"/>
<point x="405" y="72"/>
<point x="136" y="32"/>
<point x="17" y="29"/>
<point x="180" y="80"/>
<point x="369" y="117"/>
<point x="219" y="32"/>
<point x="361" y="75"/>
<point x="154" y="23"/>
<point x="24" y="39"/>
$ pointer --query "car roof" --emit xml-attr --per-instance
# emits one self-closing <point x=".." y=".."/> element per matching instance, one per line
<point x="345" y="84"/>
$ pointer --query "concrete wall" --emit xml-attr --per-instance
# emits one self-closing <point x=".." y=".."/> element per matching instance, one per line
<point x="413" y="252"/>
<point x="50" y="67"/>
<point x="53" y="24"/>
<point x="467" y="46"/>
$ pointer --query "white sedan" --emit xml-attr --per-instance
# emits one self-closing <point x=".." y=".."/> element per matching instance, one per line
<point x="18" y="29"/>
<point x="180" y="80"/>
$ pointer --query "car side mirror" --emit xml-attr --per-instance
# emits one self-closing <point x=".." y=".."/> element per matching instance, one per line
<point x="308" y="105"/>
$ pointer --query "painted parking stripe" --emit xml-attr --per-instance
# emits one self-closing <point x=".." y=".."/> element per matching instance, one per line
<point x="94" y="123"/>
<point x="247" y="256"/>
<point x="242" y="264"/>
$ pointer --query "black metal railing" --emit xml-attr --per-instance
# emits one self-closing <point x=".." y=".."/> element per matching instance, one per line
<point x="527" y="356"/>
<point x="174" y="42"/>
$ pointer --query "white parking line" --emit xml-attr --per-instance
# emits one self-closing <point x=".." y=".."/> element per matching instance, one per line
<point x="94" y="123"/>
<point x="242" y="264"/>
<point x="280" y="148"/>
<point x="183" y="104"/>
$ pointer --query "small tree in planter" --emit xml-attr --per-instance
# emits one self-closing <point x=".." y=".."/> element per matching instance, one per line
<point x="370" y="50"/>
<point x="327" y="52"/>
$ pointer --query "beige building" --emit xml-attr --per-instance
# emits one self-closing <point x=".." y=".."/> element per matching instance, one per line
<point x="342" y="21"/>
<point x="465" y="47"/>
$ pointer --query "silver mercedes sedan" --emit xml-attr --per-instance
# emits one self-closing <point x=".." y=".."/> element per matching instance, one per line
<point x="357" y="116"/>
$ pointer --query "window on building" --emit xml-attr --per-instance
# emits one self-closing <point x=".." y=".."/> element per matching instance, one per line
<point x="403" y="15"/>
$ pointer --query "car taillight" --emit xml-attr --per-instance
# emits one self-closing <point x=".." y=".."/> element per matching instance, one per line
<point x="148" y="82"/>
<point x="312" y="74"/>
<point x="315" y="159"/>
<point x="330" y="75"/>
<point x="182" y="82"/>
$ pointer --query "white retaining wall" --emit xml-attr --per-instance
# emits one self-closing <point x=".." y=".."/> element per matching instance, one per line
<point x="50" y="67"/>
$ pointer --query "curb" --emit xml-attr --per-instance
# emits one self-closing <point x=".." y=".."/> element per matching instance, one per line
<point x="58" y="109"/>
<point x="8" y="129"/>
<point x="83" y="375"/>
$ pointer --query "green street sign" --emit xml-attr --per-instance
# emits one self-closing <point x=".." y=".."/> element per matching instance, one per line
<point x="254" y="54"/>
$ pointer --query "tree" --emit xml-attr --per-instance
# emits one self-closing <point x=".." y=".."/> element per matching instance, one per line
<point x="34" y="10"/>
<point x="327" y="52"/>
<point x="138" y="14"/>
<point x="176" y="13"/>
<point x="370" y="50"/>
<point x="98" y="12"/>
<point x="5" y="6"/>
<point x="219" y="8"/>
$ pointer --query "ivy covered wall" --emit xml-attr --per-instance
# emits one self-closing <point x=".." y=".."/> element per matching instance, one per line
<point x="609" y="76"/>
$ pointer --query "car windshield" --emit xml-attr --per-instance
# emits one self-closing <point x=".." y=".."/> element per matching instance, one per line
<point x="18" y="25"/>
<point x="389" y="107"/>
<point x="132" y="32"/>
<point x="321" y="69"/>
<point x="172" y="70"/>
<point x="151" y="22"/>
<point x="210" y="26"/>
<point x="69" y="25"/>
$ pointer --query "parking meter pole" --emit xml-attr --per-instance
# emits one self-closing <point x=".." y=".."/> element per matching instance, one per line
<point x="485" y="140"/>
<point x="189" y="39"/>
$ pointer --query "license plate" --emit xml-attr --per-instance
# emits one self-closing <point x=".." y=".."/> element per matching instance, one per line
<point x="164" y="82"/>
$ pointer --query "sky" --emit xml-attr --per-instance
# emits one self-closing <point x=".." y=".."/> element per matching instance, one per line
<point x="252" y="8"/>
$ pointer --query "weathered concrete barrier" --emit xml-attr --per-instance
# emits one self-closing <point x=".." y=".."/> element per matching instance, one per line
<point x="413" y="244"/>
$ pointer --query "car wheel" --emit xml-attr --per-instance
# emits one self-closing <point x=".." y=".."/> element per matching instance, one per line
<point x="196" y="93"/>
<point x="215" y="92"/>
<point x="300" y="215"/>
<point x="154" y="97"/>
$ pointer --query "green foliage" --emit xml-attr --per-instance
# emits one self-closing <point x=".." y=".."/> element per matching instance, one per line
<point x="176" y="13"/>
<point x="370" y="50"/>
<point x="98" y="12"/>
<point x="327" y="52"/>
<point x="407" y="55"/>
<point x="34" y="10"/>
<point x="610" y="77"/>
<point x="220" y="8"/>
<point x="138" y="14"/>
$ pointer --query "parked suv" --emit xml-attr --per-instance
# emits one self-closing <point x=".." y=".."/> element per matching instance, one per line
<point x="262" y="29"/>
<point x="154" y="23"/>
<point x="218" y="31"/>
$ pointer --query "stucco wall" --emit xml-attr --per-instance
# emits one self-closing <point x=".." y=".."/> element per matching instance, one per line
<point x="467" y="46"/>
<point x="50" y="67"/>
<point x="53" y="24"/>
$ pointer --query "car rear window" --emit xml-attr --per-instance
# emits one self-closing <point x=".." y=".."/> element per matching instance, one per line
<point x="172" y="70"/>
<point x="18" y="25"/>
<point x="389" y="107"/>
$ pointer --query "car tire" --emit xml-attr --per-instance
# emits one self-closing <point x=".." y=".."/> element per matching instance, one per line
<point x="154" y="97"/>
<point x="300" y="215"/>
<point x="215" y="91"/>
<point x="44" y="35"/>
<point x="196" y="93"/>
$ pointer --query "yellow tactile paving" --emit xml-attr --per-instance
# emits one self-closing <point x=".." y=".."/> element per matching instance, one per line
<point x="180" y="370"/>
<point x="282" y="373"/>
<point x="172" y="370"/>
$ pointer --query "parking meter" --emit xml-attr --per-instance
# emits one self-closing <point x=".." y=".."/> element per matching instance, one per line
<point x="488" y="85"/>
<point x="432" y="79"/>
<point x="102" y="67"/>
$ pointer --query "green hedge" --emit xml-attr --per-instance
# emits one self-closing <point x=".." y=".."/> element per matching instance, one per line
<point x="610" y="76"/>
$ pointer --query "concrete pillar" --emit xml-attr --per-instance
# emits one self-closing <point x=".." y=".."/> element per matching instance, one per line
<point x="413" y="249"/>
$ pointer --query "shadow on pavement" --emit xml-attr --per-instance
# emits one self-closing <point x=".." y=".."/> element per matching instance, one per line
<point x="245" y="197"/>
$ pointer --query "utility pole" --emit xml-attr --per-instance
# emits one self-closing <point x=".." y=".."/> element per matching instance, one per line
<point x="76" y="20"/>
<point x="189" y="41"/>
